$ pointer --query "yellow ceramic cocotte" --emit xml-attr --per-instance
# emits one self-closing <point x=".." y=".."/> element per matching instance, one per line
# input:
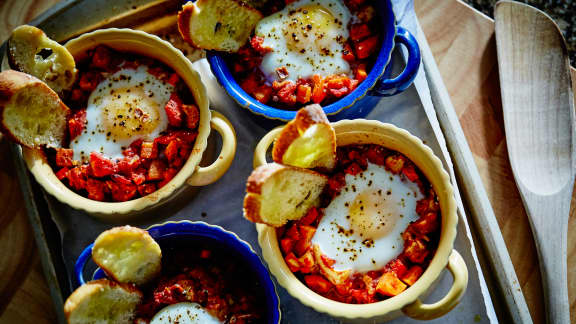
<point x="138" y="42"/>
<point x="361" y="131"/>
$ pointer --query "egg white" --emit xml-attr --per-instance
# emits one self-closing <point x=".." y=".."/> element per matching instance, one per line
<point x="184" y="313"/>
<point x="361" y="228"/>
<point x="306" y="37"/>
<point x="128" y="105"/>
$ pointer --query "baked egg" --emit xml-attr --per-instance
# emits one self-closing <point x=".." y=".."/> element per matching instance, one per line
<point x="184" y="313"/>
<point x="307" y="37"/>
<point x="361" y="229"/>
<point x="126" y="106"/>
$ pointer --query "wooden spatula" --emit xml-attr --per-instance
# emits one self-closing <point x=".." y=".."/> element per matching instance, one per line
<point x="539" y="120"/>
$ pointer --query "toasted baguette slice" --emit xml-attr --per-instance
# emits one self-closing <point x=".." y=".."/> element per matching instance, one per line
<point x="308" y="141"/>
<point x="221" y="25"/>
<point x="277" y="193"/>
<point x="32" y="52"/>
<point x="128" y="255"/>
<point x="102" y="301"/>
<point x="31" y="113"/>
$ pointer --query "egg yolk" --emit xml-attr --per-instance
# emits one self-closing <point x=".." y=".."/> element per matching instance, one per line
<point x="373" y="214"/>
<point x="308" y="27"/>
<point x="130" y="112"/>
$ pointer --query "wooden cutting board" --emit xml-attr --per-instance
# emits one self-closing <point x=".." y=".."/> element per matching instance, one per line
<point x="463" y="44"/>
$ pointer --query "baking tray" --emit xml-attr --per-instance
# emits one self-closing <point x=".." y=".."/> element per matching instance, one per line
<point x="61" y="232"/>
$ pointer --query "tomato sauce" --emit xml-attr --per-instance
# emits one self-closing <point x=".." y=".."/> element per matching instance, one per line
<point x="420" y="237"/>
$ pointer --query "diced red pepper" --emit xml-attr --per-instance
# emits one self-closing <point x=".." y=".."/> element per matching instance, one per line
<point x="62" y="173"/>
<point x="128" y="164"/>
<point x="376" y="154"/>
<point x="149" y="150"/>
<point x="353" y="169"/>
<point x="76" y="123"/>
<point x="65" y="157"/>
<point x="173" y="79"/>
<point x="101" y="166"/>
<point x="96" y="189"/>
<point x="77" y="177"/>
<point x="307" y="263"/>
<point x="305" y="241"/>
<point x="426" y="204"/>
<point x="250" y="84"/>
<point x="101" y="58"/>
<point x="318" y="93"/>
<point x="310" y="217"/>
<point x="426" y="224"/>
<point x="138" y="176"/>
<point x="121" y="179"/>
<point x="292" y="232"/>
<point x="359" y="32"/>
<point x="292" y="262"/>
<point x="366" y="47"/>
<point x="286" y="93"/>
<point x="171" y="151"/>
<point x="410" y="172"/>
<point x="348" y="54"/>
<point x="156" y="170"/>
<point x="136" y="145"/>
<point x="146" y="188"/>
<point x="303" y="94"/>
<point x="169" y="174"/>
<point x="318" y="283"/>
<point x="415" y="250"/>
<point x="263" y="93"/>
<point x="192" y="116"/>
<point x="395" y="163"/>
<point x="286" y="244"/>
<point x="173" y="110"/>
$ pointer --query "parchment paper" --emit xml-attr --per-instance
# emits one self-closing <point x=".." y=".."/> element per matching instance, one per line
<point x="221" y="202"/>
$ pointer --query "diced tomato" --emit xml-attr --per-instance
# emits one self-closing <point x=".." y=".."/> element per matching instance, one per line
<point x="359" y="32"/>
<point x="397" y="266"/>
<point x="376" y="154"/>
<point x="360" y="73"/>
<point x="303" y="94"/>
<point x="426" y="224"/>
<point x="336" y="182"/>
<point x="77" y="95"/>
<point x="186" y="136"/>
<point x="318" y="283"/>
<point x="173" y="79"/>
<point x="390" y="285"/>
<point x="121" y="192"/>
<point x="77" y="177"/>
<point x="146" y="188"/>
<point x="149" y="150"/>
<point x="305" y="242"/>
<point x="412" y="275"/>
<point x="426" y="204"/>
<point x="286" y="244"/>
<point x="205" y="254"/>
<point x="366" y="47"/>
<point x="136" y="145"/>
<point x="169" y="174"/>
<point x="76" y="123"/>
<point x="353" y="169"/>
<point x="415" y="250"/>
<point x="156" y="170"/>
<point x="138" y="176"/>
<point x="395" y="163"/>
<point x="292" y="232"/>
<point x="307" y="263"/>
<point x="366" y="13"/>
<point x="128" y="164"/>
<point x="173" y="110"/>
<point x="192" y="116"/>
<point x="65" y="157"/>
<point x="171" y="151"/>
<point x="340" y="92"/>
<point x="101" y="166"/>
<point x="292" y="262"/>
<point x="101" y="58"/>
<point x="250" y="84"/>
<point x="310" y="217"/>
<point x="159" y="72"/>
<point x="326" y="260"/>
<point x="121" y="179"/>
<point x="257" y="44"/>
<point x="318" y="93"/>
<point x="410" y="172"/>
<point x="263" y="93"/>
<point x="348" y="54"/>
<point x="129" y="152"/>
<point x="286" y="93"/>
<point x="89" y="80"/>
<point x="62" y="173"/>
<point x="96" y="189"/>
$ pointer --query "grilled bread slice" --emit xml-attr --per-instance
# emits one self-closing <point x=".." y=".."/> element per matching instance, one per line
<point x="308" y="141"/>
<point x="102" y="302"/>
<point x="32" y="52"/>
<point x="277" y="193"/>
<point x="221" y="25"/>
<point x="31" y="113"/>
<point x="128" y="255"/>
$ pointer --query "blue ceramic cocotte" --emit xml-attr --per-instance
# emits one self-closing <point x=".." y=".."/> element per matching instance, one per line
<point x="359" y="102"/>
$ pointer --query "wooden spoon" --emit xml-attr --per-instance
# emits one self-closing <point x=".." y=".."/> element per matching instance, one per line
<point x="540" y="131"/>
